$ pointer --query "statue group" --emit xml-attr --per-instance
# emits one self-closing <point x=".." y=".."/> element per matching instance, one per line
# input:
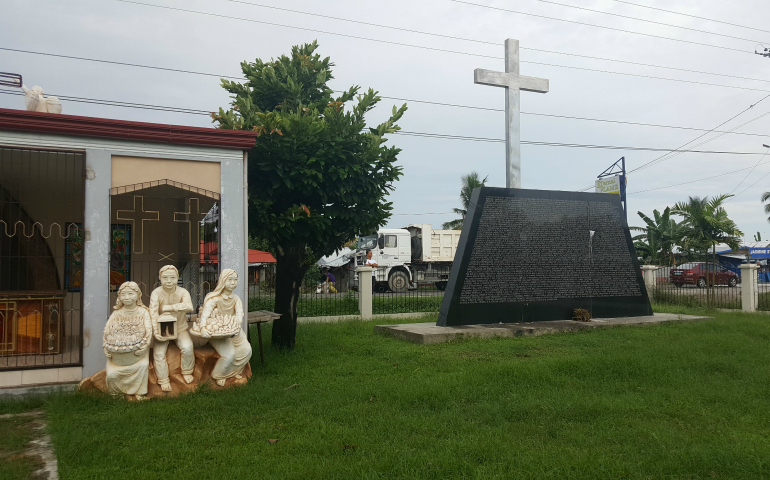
<point x="133" y="329"/>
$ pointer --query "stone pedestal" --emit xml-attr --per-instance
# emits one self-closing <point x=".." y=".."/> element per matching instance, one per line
<point x="365" y="292"/>
<point x="749" y="298"/>
<point x="205" y="359"/>
<point x="649" y="275"/>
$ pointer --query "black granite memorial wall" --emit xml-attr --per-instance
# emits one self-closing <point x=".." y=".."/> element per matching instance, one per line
<point x="536" y="255"/>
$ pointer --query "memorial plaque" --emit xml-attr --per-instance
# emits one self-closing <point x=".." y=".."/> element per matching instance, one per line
<point x="536" y="255"/>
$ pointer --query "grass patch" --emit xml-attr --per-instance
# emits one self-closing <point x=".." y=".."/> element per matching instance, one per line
<point x="680" y="400"/>
<point x="17" y="432"/>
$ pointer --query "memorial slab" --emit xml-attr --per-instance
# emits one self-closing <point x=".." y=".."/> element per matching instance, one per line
<point x="536" y="255"/>
<point x="429" y="333"/>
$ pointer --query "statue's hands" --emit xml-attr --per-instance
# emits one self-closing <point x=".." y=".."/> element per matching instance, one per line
<point x="107" y="353"/>
<point x="205" y="333"/>
<point x="166" y="309"/>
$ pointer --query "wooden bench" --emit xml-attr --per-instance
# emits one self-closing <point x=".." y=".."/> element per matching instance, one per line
<point x="259" y="317"/>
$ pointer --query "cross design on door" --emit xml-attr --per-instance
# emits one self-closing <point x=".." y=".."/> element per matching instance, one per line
<point x="192" y="217"/>
<point x="137" y="217"/>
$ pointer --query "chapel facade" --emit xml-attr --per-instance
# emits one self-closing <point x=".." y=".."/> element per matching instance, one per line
<point x="87" y="204"/>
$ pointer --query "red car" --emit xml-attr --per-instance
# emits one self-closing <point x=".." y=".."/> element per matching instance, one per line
<point x="696" y="273"/>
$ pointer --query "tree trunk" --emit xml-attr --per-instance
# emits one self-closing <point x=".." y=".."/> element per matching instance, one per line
<point x="289" y="272"/>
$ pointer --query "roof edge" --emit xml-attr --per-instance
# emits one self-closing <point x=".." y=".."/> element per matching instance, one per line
<point x="74" y="125"/>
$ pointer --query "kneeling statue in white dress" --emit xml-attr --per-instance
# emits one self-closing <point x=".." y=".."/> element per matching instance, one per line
<point x="127" y="338"/>
<point x="220" y="321"/>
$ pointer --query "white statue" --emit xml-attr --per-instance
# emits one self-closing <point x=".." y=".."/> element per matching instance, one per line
<point x="169" y="305"/>
<point x="127" y="338"/>
<point x="36" y="102"/>
<point x="220" y="322"/>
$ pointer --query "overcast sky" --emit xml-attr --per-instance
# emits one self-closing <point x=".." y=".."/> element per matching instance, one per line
<point x="131" y="33"/>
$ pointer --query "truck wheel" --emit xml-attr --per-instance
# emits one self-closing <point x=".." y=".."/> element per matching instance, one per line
<point x="398" y="282"/>
<point x="380" y="287"/>
<point x="441" y="286"/>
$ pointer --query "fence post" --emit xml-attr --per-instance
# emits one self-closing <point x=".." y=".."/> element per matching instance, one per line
<point x="749" y="298"/>
<point x="365" y="292"/>
<point x="648" y="273"/>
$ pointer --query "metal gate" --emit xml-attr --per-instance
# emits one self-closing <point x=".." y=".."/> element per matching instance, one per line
<point x="162" y="223"/>
<point x="42" y="203"/>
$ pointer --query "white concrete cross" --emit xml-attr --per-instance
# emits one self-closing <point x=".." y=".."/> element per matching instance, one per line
<point x="513" y="82"/>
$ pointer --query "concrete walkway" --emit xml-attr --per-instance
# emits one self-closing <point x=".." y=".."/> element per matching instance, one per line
<point x="429" y="333"/>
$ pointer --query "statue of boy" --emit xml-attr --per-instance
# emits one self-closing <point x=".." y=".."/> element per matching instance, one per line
<point x="169" y="298"/>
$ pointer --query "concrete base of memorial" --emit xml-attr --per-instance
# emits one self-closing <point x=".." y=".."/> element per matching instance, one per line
<point x="430" y="333"/>
<point x="205" y="359"/>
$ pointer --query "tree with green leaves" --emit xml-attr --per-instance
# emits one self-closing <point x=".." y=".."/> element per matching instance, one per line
<point x="317" y="175"/>
<point x="469" y="183"/>
<point x="707" y="225"/>
<point x="765" y="198"/>
<point x="659" y="238"/>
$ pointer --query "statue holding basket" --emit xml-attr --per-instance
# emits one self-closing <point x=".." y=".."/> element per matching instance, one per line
<point x="220" y="321"/>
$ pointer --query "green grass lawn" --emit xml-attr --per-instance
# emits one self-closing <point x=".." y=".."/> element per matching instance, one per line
<point x="679" y="400"/>
<point x="16" y="434"/>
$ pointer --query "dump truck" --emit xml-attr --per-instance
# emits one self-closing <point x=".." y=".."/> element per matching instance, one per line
<point x="410" y="256"/>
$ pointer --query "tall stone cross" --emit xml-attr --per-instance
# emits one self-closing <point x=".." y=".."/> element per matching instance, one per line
<point x="513" y="82"/>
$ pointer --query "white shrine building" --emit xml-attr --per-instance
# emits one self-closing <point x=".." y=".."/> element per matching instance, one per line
<point x="89" y="203"/>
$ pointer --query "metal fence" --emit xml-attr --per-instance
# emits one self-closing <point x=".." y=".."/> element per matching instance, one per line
<point x="42" y="202"/>
<point x="317" y="298"/>
<point x="705" y="284"/>
<point x="421" y="293"/>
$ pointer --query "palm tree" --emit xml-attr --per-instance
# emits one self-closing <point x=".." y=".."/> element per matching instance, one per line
<point x="470" y="182"/>
<point x="766" y="197"/>
<point x="660" y="236"/>
<point x="707" y="225"/>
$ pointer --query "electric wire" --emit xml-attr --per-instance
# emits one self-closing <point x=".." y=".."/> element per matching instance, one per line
<point x="675" y="152"/>
<point x="692" y="16"/>
<point x="750" y="172"/>
<point x="749" y="187"/>
<point x="529" y="62"/>
<point x="117" y="103"/>
<point x="598" y="26"/>
<point x="229" y="17"/>
<point x="645" y="20"/>
<point x="486" y="42"/>
<point x="695" y="181"/>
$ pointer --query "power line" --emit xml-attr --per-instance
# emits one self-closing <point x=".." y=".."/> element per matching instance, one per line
<point x="570" y="145"/>
<point x="750" y="172"/>
<point x="331" y="17"/>
<point x="645" y="20"/>
<point x="692" y="16"/>
<point x="229" y="17"/>
<point x="116" y="103"/>
<point x="695" y="181"/>
<point x="386" y="97"/>
<point x="242" y="78"/>
<point x="660" y="159"/>
<point x="71" y="57"/>
<point x="599" y="26"/>
<point x="485" y="42"/>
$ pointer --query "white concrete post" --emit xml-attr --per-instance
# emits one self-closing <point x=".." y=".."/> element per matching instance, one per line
<point x="365" y="292"/>
<point x="648" y="273"/>
<point x="96" y="258"/>
<point x="749" y="298"/>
